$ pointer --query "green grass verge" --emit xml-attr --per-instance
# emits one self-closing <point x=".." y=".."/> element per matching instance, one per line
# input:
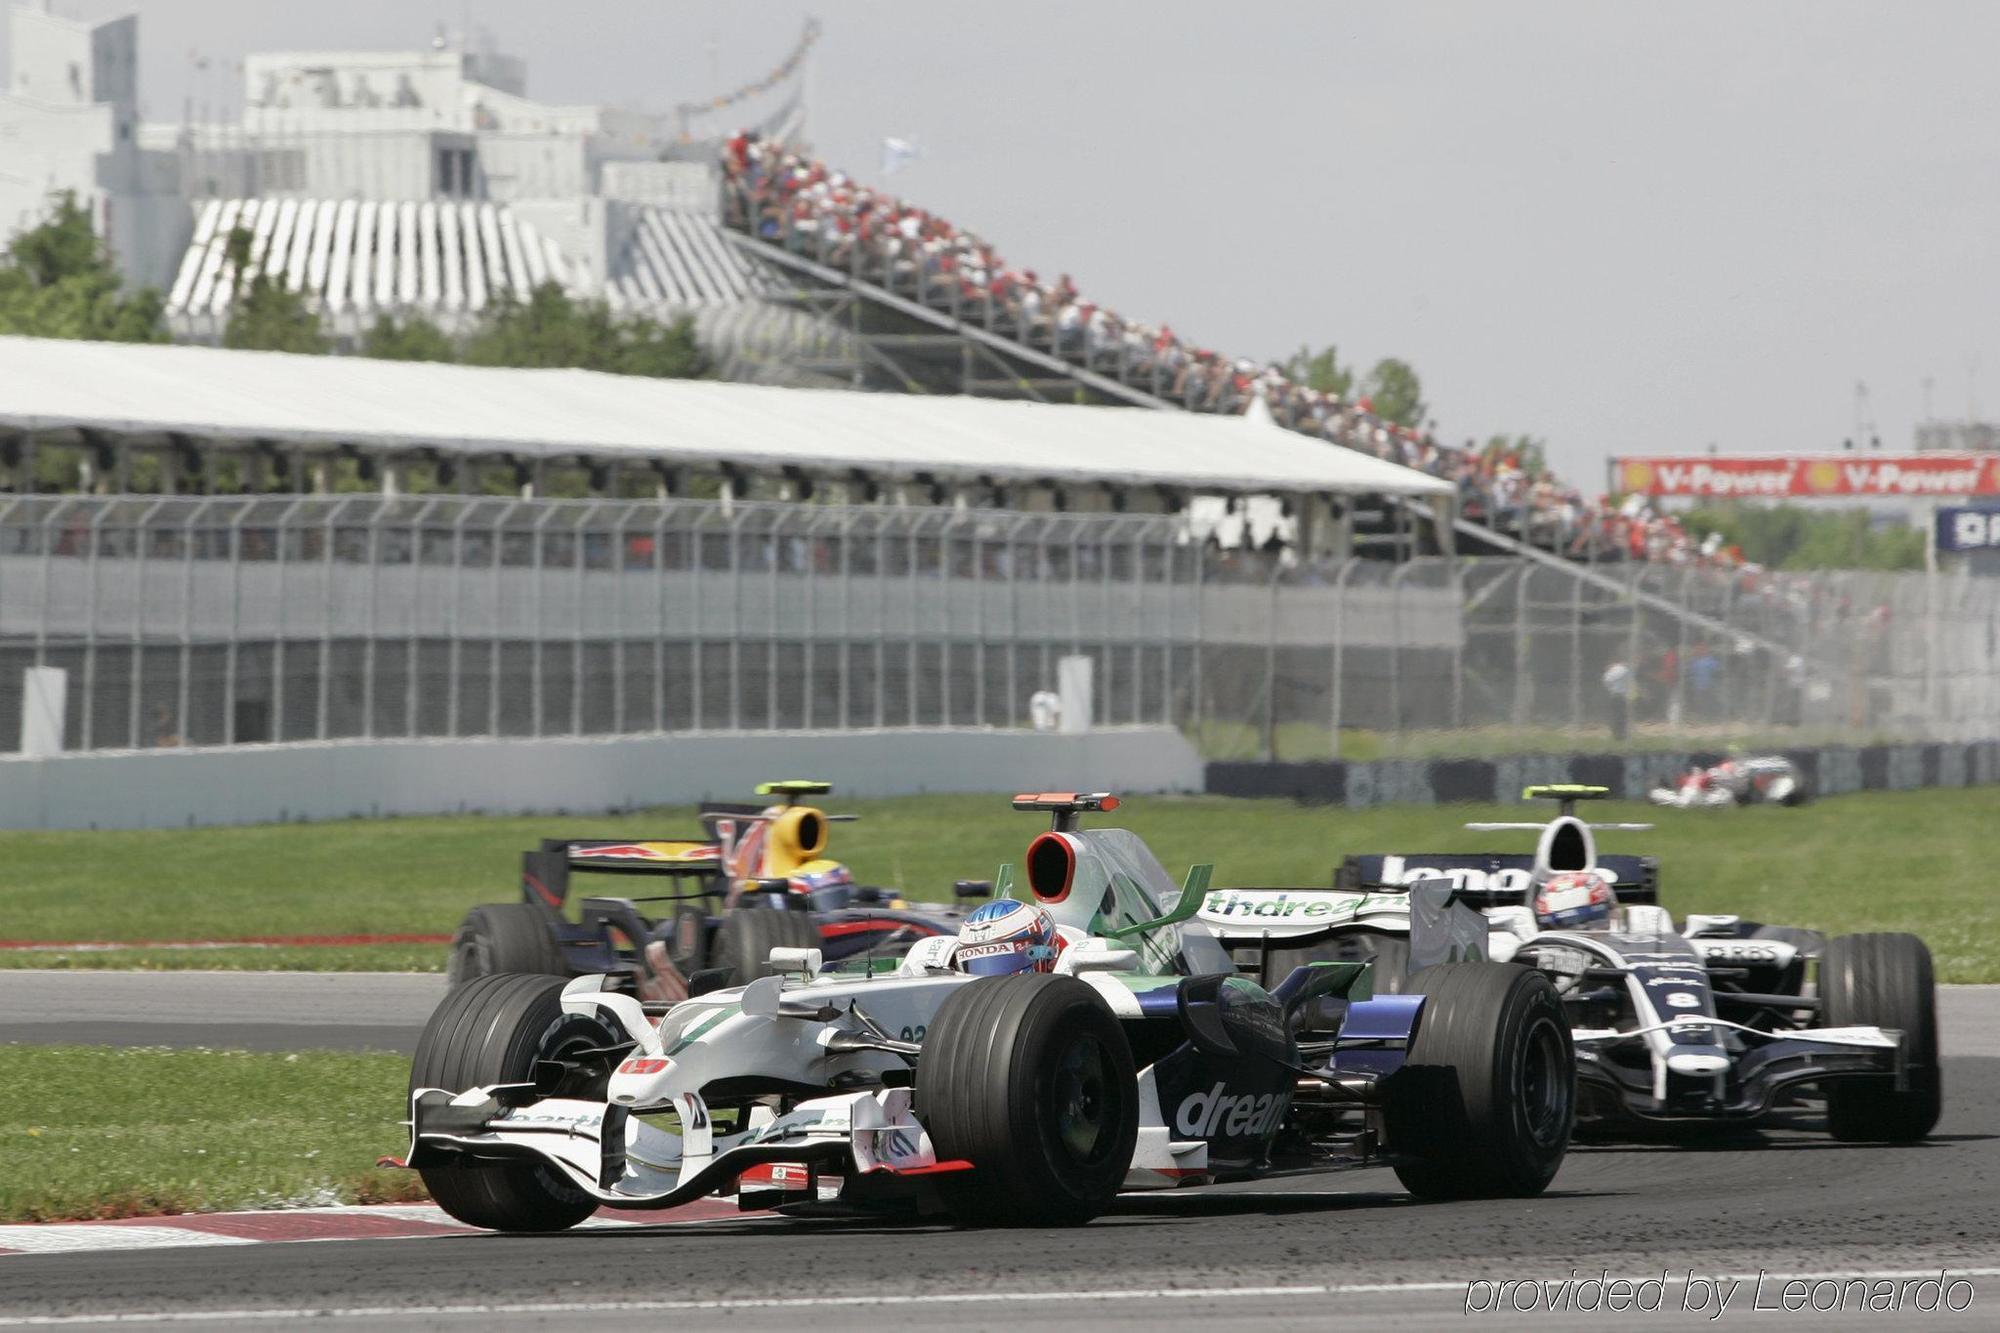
<point x="96" y="1132"/>
<point x="1880" y="861"/>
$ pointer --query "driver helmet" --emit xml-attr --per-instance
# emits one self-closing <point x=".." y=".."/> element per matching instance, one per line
<point x="1005" y="936"/>
<point x="1574" y="900"/>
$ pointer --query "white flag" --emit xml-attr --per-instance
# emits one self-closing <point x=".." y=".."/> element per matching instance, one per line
<point x="896" y="154"/>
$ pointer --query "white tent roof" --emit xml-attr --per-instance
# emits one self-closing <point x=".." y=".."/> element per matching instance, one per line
<point x="211" y="393"/>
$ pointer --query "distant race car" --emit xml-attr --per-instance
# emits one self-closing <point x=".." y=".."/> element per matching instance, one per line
<point x="1762" y="780"/>
<point x="1128" y="1057"/>
<point x="1720" y="1020"/>
<point x="756" y="880"/>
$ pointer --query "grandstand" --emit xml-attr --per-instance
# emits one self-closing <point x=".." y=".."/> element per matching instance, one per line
<point x="428" y="184"/>
<point x="286" y="418"/>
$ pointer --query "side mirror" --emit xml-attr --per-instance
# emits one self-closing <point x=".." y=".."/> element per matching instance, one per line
<point x="972" y="888"/>
<point x="795" y="962"/>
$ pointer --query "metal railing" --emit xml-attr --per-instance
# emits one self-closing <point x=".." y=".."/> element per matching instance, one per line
<point x="248" y="619"/>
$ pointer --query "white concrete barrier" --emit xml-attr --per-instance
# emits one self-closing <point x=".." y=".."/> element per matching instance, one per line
<point x="258" y="784"/>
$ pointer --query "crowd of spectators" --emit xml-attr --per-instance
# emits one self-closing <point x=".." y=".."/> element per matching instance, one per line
<point x="783" y="196"/>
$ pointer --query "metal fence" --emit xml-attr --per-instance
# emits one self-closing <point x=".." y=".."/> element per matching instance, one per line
<point x="237" y="620"/>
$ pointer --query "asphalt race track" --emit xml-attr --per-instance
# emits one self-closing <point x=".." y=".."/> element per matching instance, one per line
<point x="1339" y="1251"/>
<point x="386" y="1010"/>
<point x="259" y="1011"/>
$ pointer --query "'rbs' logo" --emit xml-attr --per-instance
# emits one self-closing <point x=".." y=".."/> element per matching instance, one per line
<point x="1207" y="1114"/>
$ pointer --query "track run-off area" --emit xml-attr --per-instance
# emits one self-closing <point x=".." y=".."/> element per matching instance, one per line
<point x="1336" y="1251"/>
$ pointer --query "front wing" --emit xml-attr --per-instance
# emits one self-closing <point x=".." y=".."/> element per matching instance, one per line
<point x="625" y="1162"/>
<point x="1748" y="1088"/>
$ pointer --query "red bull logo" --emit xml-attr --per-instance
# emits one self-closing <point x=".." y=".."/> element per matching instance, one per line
<point x="647" y="851"/>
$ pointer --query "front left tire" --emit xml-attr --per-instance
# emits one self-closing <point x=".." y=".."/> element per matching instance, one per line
<point x="493" y="1030"/>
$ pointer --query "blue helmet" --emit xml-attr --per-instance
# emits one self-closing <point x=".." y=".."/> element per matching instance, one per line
<point x="1006" y="936"/>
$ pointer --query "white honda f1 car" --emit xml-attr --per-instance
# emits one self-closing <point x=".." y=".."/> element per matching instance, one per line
<point x="1137" y="1060"/>
<point x="1717" y="1020"/>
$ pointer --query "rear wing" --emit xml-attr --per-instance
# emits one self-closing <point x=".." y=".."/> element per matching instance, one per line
<point x="1442" y="923"/>
<point x="1490" y="878"/>
<point x="545" y="871"/>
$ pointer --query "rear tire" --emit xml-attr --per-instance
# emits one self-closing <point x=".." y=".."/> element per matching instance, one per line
<point x="1883" y="980"/>
<point x="504" y="938"/>
<point x="1030" y="1079"/>
<point x="492" y="1030"/>
<point x="744" y="940"/>
<point x="1486" y="1099"/>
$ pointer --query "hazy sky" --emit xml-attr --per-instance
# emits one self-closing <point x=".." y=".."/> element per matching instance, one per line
<point x="1624" y="227"/>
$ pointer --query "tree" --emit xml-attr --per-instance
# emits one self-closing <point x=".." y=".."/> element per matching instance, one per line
<point x="1799" y="537"/>
<point x="266" y="315"/>
<point x="1397" y="393"/>
<point x="1320" y="370"/>
<point x="271" y="317"/>
<point x="58" y="281"/>
<point x="550" y="329"/>
<point x="666" y="351"/>
<point x="412" y="339"/>
<point x="1528" y="453"/>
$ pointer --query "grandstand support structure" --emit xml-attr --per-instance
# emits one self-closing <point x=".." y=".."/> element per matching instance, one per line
<point x="927" y="350"/>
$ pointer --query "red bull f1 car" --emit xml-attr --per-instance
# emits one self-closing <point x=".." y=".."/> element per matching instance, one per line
<point x="757" y="878"/>
<point x="1716" y="1020"/>
<point x="1133" y="1057"/>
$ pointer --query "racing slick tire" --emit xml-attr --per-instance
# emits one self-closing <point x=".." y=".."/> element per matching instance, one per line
<point x="1029" y="1078"/>
<point x="1486" y="1099"/>
<point x="504" y="937"/>
<point x="493" y="1030"/>
<point x="744" y="940"/>
<point x="1883" y="980"/>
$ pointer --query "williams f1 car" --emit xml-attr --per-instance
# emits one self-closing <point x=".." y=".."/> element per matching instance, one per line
<point x="1716" y="1020"/>
<point x="756" y="879"/>
<point x="1138" y="1060"/>
<point x="1768" y="779"/>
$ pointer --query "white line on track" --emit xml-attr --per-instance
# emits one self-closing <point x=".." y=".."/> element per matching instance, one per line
<point x="724" y="1303"/>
